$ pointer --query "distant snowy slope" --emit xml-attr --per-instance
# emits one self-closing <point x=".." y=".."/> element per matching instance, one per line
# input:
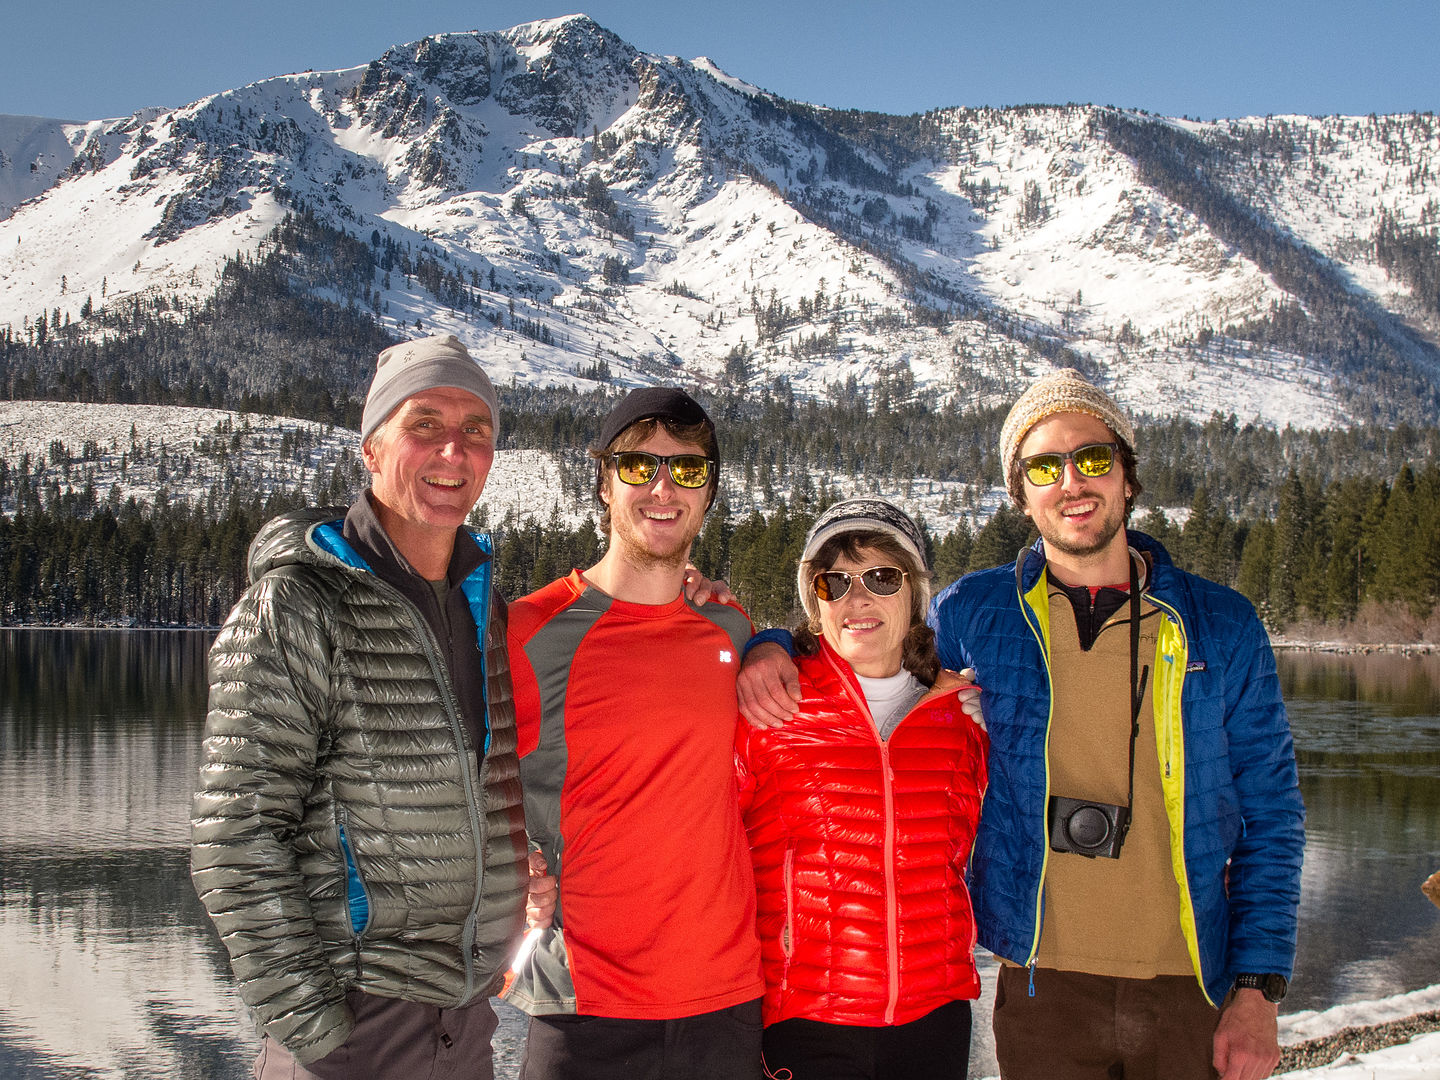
<point x="35" y="151"/>
<point x="122" y="451"/>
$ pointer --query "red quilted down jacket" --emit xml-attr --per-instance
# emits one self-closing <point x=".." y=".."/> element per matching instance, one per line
<point x="860" y="850"/>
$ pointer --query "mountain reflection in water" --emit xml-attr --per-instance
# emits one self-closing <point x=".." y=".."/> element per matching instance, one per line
<point x="1367" y="737"/>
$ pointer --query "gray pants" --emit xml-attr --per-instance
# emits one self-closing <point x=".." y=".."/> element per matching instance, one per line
<point x="397" y="1040"/>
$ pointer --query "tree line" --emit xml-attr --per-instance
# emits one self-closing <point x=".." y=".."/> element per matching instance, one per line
<point x="263" y="344"/>
<point x="244" y="348"/>
<point x="1356" y="549"/>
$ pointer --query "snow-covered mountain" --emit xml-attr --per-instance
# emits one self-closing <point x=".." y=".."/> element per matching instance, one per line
<point x="628" y="217"/>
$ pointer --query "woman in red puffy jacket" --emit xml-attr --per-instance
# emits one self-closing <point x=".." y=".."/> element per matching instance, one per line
<point x="861" y="811"/>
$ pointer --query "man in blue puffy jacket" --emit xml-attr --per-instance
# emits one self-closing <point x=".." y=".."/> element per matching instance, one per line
<point x="1137" y="868"/>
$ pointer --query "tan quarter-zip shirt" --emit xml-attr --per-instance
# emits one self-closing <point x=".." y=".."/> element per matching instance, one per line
<point x="1117" y="917"/>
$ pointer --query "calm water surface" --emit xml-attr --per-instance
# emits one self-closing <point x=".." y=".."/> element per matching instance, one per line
<point x="108" y="967"/>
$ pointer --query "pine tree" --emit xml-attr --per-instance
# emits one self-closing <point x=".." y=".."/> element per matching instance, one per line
<point x="1001" y="538"/>
<point x="1256" y="558"/>
<point x="1344" y="514"/>
<point x="1289" y="546"/>
<point x="1396" y="577"/>
<point x="952" y="554"/>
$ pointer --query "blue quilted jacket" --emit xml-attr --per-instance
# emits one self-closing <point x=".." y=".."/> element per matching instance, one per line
<point x="1227" y="763"/>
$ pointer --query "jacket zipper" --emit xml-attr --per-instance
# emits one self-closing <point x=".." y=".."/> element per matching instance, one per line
<point x="892" y="915"/>
<point x="468" y="947"/>
<point x="787" y="930"/>
<point x="1174" y="617"/>
<point x="1189" y="930"/>
<point x="353" y="881"/>
<point x="1032" y="620"/>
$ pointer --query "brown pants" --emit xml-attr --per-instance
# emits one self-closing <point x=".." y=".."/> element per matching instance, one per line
<point x="1094" y="1027"/>
<point x="396" y="1040"/>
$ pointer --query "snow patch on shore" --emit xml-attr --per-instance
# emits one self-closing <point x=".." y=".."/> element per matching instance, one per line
<point x="1310" y="1024"/>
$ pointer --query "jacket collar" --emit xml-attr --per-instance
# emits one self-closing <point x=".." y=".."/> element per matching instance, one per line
<point x="362" y="529"/>
<point x="1031" y="562"/>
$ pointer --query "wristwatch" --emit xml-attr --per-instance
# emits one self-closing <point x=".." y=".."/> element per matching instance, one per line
<point x="1273" y="986"/>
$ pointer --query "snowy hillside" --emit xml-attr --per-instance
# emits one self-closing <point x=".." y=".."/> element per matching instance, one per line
<point x="597" y="213"/>
<point x="116" y="452"/>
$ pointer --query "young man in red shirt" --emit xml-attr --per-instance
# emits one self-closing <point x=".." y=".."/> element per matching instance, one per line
<point x="626" y="706"/>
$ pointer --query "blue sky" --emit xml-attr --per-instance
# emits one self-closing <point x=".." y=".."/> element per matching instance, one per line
<point x="1205" y="58"/>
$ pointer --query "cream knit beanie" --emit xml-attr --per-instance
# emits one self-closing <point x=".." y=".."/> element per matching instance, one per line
<point x="1061" y="391"/>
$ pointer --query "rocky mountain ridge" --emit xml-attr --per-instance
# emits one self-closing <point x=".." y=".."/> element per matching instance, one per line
<point x="596" y="214"/>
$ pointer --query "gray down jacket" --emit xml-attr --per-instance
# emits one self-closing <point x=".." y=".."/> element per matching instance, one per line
<point x="343" y="837"/>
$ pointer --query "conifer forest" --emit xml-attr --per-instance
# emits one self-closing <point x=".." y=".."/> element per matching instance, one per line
<point x="1320" y="529"/>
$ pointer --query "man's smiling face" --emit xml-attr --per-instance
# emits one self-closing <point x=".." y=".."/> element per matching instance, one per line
<point x="656" y="522"/>
<point x="429" y="460"/>
<point x="1080" y="516"/>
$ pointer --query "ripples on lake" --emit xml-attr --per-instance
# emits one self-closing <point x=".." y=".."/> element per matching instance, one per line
<point x="1367" y="737"/>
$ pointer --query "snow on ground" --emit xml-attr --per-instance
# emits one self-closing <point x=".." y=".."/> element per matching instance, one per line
<point x="1418" y="1059"/>
<point x="120" y="446"/>
<point x="1413" y="1060"/>
<point x="1310" y="1024"/>
<point x="138" y="449"/>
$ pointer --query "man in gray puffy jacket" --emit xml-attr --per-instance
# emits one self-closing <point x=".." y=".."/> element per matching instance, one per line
<point x="358" y="836"/>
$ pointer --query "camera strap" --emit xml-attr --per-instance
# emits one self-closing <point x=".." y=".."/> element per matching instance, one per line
<point x="1137" y="682"/>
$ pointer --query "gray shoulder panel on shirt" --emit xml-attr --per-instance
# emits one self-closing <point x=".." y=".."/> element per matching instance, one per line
<point x="731" y="620"/>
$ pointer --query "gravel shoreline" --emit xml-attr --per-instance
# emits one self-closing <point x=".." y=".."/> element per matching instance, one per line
<point x="1352" y="648"/>
<point x="1314" y="1053"/>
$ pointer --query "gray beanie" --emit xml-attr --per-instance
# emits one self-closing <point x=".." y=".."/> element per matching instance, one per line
<point x="411" y="367"/>
<point x="862" y="515"/>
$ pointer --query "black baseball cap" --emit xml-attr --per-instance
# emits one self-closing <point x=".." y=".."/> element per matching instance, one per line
<point x="653" y="403"/>
<point x="665" y="403"/>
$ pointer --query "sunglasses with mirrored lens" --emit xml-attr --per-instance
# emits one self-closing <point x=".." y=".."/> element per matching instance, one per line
<point x="638" y="468"/>
<point x="1093" y="460"/>
<point x="879" y="580"/>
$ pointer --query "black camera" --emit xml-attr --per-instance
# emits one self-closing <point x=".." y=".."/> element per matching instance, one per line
<point x="1087" y="828"/>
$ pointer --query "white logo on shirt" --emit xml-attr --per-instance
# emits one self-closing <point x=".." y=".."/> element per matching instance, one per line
<point x="726" y="656"/>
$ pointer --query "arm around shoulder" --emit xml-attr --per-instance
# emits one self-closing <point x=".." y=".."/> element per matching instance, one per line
<point x="768" y="685"/>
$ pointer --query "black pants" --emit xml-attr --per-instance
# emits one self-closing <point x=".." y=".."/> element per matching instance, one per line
<point x="934" y="1047"/>
<point x="720" y="1045"/>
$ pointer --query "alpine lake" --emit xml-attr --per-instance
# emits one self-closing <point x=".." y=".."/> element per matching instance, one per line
<point x="109" y="966"/>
